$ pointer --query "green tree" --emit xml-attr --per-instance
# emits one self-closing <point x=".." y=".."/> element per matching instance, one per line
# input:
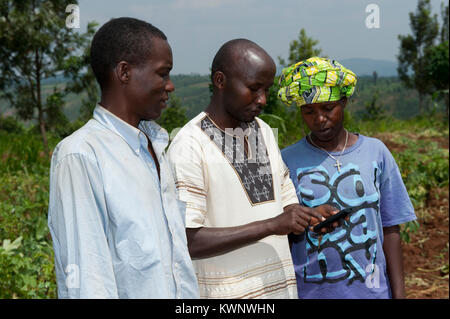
<point x="425" y="29"/>
<point x="10" y="125"/>
<point x="445" y="27"/>
<point x="436" y="70"/>
<point x="78" y="68"/>
<point x="375" y="111"/>
<point x="36" y="45"/>
<point x="375" y="77"/>
<point x="301" y="49"/>
<point x="288" y="120"/>
<point x="174" y="116"/>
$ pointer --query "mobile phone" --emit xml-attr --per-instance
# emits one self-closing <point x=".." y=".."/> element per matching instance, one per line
<point x="342" y="214"/>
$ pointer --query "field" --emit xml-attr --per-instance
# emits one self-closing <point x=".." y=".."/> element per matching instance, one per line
<point x="420" y="146"/>
<point x="426" y="255"/>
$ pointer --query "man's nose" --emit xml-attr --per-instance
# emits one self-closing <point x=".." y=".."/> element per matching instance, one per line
<point x="170" y="87"/>
<point x="262" y="99"/>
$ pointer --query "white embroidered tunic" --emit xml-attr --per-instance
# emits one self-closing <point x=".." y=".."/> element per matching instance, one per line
<point x="225" y="184"/>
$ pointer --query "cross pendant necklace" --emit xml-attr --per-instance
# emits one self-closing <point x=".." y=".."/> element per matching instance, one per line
<point x="338" y="164"/>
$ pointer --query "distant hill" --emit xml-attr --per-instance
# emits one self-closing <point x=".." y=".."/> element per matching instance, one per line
<point x="363" y="66"/>
<point x="193" y="91"/>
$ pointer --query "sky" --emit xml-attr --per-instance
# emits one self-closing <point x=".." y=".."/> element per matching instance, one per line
<point x="197" y="28"/>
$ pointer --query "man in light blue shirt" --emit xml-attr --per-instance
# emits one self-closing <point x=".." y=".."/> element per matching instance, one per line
<point x="118" y="230"/>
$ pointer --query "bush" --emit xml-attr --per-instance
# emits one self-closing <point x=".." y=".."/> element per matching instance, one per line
<point x="10" y="125"/>
<point x="424" y="166"/>
<point x="26" y="254"/>
<point x="24" y="152"/>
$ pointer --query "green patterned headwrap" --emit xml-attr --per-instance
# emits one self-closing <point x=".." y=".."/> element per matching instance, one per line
<point x="316" y="80"/>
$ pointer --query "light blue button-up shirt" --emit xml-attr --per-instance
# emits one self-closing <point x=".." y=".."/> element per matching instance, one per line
<point x="117" y="230"/>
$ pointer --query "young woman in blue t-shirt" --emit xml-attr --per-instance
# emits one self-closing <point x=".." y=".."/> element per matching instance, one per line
<point x="362" y="257"/>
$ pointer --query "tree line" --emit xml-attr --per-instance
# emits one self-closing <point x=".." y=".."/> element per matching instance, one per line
<point x="36" y="45"/>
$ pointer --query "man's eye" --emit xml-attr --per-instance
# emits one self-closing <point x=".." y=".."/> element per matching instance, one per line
<point x="164" y="73"/>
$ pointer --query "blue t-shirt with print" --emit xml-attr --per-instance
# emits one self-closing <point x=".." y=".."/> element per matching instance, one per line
<point x="348" y="262"/>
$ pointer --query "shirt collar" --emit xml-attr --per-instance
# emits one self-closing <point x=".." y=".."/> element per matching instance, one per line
<point x="133" y="136"/>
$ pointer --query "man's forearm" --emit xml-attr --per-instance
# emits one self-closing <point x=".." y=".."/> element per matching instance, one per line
<point x="206" y="242"/>
<point x="210" y="241"/>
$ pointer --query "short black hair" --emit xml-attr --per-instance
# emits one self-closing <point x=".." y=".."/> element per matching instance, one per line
<point x="121" y="39"/>
<point x="223" y="60"/>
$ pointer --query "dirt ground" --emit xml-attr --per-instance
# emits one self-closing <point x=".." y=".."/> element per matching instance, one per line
<point x="425" y="257"/>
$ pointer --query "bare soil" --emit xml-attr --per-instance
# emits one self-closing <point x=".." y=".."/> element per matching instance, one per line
<point x="425" y="257"/>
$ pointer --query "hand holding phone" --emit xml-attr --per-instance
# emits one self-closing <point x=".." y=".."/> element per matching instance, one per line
<point x="330" y="220"/>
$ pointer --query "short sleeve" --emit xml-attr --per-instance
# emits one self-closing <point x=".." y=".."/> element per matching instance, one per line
<point x="395" y="205"/>
<point x="185" y="157"/>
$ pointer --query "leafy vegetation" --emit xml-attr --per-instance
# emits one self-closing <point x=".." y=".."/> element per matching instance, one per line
<point x="36" y="45"/>
<point x="193" y="91"/>
<point x="300" y="49"/>
<point x="418" y="50"/>
<point x="26" y="253"/>
<point x="174" y="116"/>
<point x="381" y="107"/>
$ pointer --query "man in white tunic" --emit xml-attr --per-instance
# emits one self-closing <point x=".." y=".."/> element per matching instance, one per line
<point x="240" y="201"/>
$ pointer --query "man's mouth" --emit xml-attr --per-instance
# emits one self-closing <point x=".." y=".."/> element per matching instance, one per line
<point x="164" y="101"/>
<point x="256" y="112"/>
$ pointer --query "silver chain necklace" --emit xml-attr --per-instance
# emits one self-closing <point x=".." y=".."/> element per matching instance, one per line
<point x="338" y="164"/>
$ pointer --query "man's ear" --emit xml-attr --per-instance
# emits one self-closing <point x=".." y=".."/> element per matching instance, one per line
<point x="123" y="72"/>
<point x="219" y="79"/>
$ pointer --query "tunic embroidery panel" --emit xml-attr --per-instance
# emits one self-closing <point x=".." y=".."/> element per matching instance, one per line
<point x="253" y="169"/>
